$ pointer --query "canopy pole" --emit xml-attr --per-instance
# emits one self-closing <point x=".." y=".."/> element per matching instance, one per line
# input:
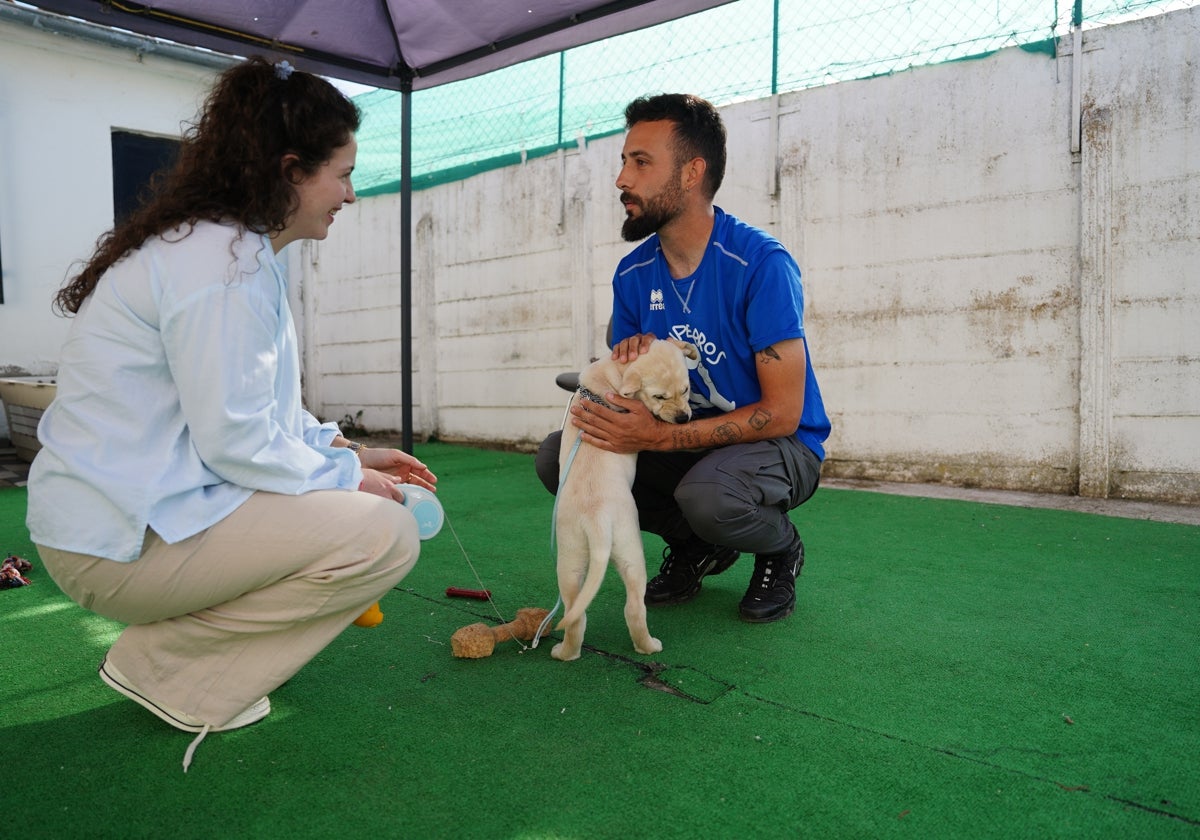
<point x="406" y="363"/>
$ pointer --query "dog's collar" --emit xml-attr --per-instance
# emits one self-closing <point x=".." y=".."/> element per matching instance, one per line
<point x="592" y="396"/>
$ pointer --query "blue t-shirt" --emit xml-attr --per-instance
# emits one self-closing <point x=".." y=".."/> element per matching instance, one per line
<point x="744" y="297"/>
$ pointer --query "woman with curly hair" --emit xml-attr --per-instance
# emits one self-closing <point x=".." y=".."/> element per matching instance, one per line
<point x="181" y="488"/>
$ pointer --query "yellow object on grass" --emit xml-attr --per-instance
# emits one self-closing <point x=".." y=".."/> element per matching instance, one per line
<point x="371" y="618"/>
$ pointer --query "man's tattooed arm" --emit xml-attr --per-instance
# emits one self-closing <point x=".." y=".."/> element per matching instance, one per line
<point x="740" y="425"/>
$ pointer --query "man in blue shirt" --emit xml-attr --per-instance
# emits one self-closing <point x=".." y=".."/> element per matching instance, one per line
<point x="723" y="483"/>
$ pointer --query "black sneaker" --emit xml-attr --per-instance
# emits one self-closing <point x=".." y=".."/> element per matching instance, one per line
<point x="679" y="577"/>
<point x="772" y="592"/>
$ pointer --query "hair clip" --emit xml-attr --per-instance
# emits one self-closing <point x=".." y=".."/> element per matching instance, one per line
<point x="283" y="70"/>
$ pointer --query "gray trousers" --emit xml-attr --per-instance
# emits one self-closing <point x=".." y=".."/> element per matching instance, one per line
<point x="734" y="496"/>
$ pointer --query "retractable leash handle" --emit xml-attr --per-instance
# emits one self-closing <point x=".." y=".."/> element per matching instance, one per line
<point x="425" y="508"/>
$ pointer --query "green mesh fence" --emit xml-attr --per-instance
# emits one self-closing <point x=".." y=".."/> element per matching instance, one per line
<point x="747" y="49"/>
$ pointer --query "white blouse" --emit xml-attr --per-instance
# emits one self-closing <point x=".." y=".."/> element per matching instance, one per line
<point x="178" y="396"/>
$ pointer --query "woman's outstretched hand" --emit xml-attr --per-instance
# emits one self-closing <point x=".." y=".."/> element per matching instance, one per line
<point x="383" y="469"/>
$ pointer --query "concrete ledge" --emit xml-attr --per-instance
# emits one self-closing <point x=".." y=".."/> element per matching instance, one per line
<point x="25" y="398"/>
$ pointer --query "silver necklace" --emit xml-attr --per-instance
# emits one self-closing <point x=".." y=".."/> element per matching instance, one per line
<point x="682" y="299"/>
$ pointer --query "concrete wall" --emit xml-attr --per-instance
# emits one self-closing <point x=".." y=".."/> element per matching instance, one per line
<point x="1000" y="259"/>
<point x="939" y="241"/>
<point x="1140" y="263"/>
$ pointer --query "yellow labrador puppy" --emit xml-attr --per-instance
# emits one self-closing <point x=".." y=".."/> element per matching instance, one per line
<point x="596" y="519"/>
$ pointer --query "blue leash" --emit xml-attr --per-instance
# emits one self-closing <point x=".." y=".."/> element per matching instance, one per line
<point x="553" y="520"/>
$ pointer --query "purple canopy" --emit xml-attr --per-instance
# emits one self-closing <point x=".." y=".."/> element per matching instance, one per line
<point x="396" y="44"/>
<point x="403" y="45"/>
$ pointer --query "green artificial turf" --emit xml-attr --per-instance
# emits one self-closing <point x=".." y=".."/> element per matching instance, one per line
<point x="953" y="669"/>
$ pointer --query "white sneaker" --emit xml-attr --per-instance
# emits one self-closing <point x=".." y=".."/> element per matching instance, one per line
<point x="180" y="720"/>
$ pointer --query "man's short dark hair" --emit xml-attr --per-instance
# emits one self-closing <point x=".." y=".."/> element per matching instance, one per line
<point x="699" y="131"/>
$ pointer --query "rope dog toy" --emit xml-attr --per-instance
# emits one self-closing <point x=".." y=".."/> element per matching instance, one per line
<point x="475" y="641"/>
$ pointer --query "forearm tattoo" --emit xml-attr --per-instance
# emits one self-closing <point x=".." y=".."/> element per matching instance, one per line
<point x="759" y="419"/>
<point x="726" y="434"/>
<point x="684" y="437"/>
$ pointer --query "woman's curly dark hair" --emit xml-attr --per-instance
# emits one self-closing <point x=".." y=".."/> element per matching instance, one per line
<point x="230" y="163"/>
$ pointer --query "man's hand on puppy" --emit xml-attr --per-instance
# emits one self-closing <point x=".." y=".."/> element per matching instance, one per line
<point x="630" y="348"/>
<point x="634" y="430"/>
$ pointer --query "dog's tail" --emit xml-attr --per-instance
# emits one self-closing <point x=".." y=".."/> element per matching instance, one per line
<point x="597" y="566"/>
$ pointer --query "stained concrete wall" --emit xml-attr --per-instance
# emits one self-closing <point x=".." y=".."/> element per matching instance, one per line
<point x="1140" y="264"/>
<point x="1000" y="260"/>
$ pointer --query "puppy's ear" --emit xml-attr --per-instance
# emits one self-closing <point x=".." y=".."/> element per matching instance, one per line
<point x="601" y="375"/>
<point x="689" y="350"/>
<point x="631" y="383"/>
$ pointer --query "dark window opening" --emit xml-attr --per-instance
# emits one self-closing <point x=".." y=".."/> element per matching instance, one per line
<point x="136" y="158"/>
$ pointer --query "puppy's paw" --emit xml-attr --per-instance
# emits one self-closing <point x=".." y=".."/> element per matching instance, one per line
<point x="653" y="645"/>
<point x="560" y="652"/>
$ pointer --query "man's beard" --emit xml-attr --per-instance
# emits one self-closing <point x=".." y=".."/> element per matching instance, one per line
<point x="656" y="212"/>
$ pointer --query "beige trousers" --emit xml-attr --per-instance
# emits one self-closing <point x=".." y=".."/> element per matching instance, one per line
<point x="221" y="619"/>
